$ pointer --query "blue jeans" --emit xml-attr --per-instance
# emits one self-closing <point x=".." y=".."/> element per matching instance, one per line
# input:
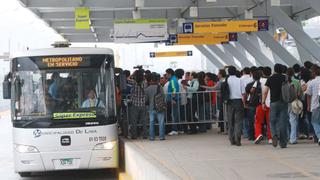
<point x="293" y="119"/>
<point x="316" y="122"/>
<point x="160" y="117"/>
<point x="245" y="127"/>
<point x="279" y="121"/>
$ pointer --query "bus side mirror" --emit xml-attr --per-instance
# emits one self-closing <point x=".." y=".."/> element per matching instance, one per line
<point x="6" y="85"/>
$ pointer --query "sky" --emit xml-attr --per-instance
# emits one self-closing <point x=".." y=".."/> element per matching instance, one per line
<point x="20" y="28"/>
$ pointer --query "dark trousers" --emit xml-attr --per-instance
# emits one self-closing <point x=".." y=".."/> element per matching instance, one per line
<point x="183" y="118"/>
<point x="221" y="115"/>
<point x="235" y="111"/>
<point x="251" y="117"/>
<point x="191" y="109"/>
<point x="138" y="115"/>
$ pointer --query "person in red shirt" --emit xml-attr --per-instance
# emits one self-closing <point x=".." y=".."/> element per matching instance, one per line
<point x="209" y="79"/>
<point x="211" y="83"/>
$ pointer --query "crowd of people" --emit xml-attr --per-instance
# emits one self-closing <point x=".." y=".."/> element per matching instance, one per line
<point x="187" y="106"/>
<point x="280" y="105"/>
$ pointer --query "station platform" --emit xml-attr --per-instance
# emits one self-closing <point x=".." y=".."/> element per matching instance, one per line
<point x="210" y="156"/>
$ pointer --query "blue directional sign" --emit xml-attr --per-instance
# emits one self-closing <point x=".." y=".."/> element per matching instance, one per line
<point x="189" y="53"/>
<point x="173" y="38"/>
<point x="152" y="55"/>
<point x="187" y="28"/>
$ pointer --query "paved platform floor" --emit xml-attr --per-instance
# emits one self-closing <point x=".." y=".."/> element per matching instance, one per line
<point x="210" y="156"/>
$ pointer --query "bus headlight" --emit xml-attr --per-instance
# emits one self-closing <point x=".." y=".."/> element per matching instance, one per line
<point x="105" y="146"/>
<point x="26" y="149"/>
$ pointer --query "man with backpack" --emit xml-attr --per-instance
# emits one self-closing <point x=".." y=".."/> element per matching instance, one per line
<point x="247" y="128"/>
<point x="254" y="93"/>
<point x="156" y="107"/>
<point x="278" y="108"/>
<point x="295" y="108"/>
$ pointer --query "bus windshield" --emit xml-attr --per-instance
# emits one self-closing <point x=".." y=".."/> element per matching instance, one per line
<point x="62" y="93"/>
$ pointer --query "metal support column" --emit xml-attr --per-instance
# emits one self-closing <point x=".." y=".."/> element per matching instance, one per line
<point x="296" y="31"/>
<point x="255" y="52"/>
<point x="255" y="41"/>
<point x="315" y="4"/>
<point x="210" y="57"/>
<point x="243" y="51"/>
<point x="243" y="59"/>
<point x="277" y="48"/>
<point x="227" y="58"/>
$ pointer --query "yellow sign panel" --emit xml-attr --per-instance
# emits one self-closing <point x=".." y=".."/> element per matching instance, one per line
<point x="170" y="54"/>
<point x="226" y="26"/>
<point x="74" y="115"/>
<point x="199" y="39"/>
<point x="82" y="18"/>
<point x="62" y="61"/>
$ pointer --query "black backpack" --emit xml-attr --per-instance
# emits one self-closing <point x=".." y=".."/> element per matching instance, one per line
<point x="256" y="96"/>
<point x="288" y="92"/>
<point x="159" y="101"/>
<point x="225" y="91"/>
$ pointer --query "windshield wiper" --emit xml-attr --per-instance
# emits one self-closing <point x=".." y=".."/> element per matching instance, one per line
<point x="30" y="122"/>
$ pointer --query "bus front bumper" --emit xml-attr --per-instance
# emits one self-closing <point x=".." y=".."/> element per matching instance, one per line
<point x="66" y="160"/>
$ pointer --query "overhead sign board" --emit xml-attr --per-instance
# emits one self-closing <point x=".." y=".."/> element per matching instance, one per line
<point x="140" y="30"/>
<point x="82" y="18"/>
<point x="170" y="54"/>
<point x="203" y="38"/>
<point x="226" y="26"/>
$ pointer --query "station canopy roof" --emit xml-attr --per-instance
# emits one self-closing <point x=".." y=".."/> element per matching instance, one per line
<point x="59" y="14"/>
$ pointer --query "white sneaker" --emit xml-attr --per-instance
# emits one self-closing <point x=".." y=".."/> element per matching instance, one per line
<point x="258" y="139"/>
<point x="270" y="141"/>
<point x="172" y="133"/>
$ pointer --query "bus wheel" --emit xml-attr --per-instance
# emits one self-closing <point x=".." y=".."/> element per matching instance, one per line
<point x="25" y="174"/>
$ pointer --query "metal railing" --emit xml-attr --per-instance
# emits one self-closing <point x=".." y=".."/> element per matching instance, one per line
<point x="185" y="110"/>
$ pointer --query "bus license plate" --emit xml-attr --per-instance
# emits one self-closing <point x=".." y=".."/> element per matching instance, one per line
<point x="66" y="162"/>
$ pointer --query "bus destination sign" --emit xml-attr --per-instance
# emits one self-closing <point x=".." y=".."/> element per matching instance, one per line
<point x="60" y="62"/>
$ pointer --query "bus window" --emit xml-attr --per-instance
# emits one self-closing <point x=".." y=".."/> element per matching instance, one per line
<point x="93" y="82"/>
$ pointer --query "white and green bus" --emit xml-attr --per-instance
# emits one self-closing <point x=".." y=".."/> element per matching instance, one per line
<point x="63" y="109"/>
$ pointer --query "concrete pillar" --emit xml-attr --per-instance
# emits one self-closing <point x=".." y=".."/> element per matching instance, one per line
<point x="296" y="31"/>
<point x="315" y="4"/>
<point x="210" y="57"/>
<point x="255" y="52"/>
<point x="227" y="58"/>
<point x="277" y="48"/>
<point x="237" y="54"/>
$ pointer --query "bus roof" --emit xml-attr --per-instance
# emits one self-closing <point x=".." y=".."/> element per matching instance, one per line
<point x="63" y="51"/>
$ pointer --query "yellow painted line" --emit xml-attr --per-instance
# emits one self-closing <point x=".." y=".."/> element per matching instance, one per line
<point x="5" y="112"/>
<point x="124" y="176"/>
